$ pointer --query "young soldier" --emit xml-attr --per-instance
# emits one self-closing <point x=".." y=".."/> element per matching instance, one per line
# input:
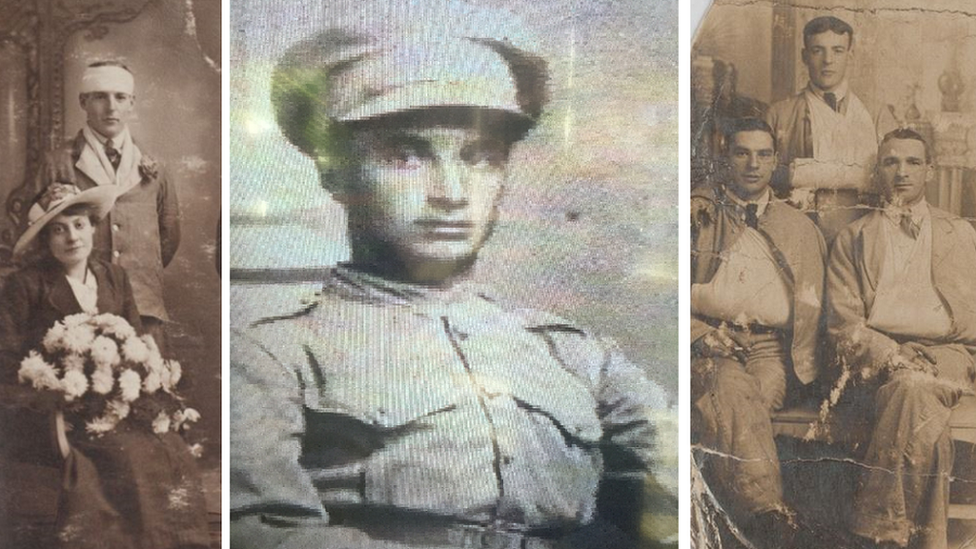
<point x="405" y="407"/>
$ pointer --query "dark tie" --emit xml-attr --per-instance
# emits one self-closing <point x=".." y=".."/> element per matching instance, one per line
<point x="831" y="101"/>
<point x="909" y="226"/>
<point x="752" y="219"/>
<point x="113" y="154"/>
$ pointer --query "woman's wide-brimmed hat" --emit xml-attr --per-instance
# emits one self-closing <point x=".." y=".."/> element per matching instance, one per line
<point x="57" y="198"/>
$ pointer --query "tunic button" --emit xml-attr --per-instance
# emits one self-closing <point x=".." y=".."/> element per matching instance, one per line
<point x="116" y="253"/>
<point x="507" y="460"/>
<point x="115" y="227"/>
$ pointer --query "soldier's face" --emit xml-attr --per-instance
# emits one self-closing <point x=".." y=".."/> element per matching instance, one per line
<point x="903" y="171"/>
<point x="826" y="56"/>
<point x="753" y="159"/>
<point x="429" y="195"/>
<point x="108" y="112"/>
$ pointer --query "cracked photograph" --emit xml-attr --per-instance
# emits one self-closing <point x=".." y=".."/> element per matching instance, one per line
<point x="110" y="293"/>
<point x="833" y="275"/>
<point x="453" y="268"/>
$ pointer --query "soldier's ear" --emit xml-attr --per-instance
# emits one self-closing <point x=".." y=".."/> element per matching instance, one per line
<point x="82" y="99"/>
<point x="335" y="179"/>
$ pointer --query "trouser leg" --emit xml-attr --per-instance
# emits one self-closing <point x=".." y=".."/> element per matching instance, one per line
<point x="904" y="489"/>
<point x="733" y="425"/>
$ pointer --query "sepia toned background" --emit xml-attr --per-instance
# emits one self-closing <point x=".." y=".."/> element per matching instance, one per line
<point x="908" y="56"/>
<point x="174" y="49"/>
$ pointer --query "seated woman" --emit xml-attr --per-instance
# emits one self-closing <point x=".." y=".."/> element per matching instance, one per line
<point x="130" y="487"/>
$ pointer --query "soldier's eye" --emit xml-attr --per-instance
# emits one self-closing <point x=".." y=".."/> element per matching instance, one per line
<point x="485" y="154"/>
<point x="403" y="154"/>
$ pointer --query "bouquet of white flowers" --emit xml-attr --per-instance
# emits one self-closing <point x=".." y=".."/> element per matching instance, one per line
<point x="108" y="375"/>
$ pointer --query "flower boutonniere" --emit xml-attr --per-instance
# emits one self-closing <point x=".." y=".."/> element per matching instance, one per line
<point x="148" y="167"/>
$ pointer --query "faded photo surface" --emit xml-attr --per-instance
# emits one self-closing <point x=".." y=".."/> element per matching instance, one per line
<point x="110" y="325"/>
<point x="453" y="274"/>
<point x="832" y="245"/>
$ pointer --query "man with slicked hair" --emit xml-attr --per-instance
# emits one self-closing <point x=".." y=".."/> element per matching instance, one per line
<point x="404" y="406"/>
<point x="826" y="121"/>
<point x="901" y="313"/>
<point x="757" y="285"/>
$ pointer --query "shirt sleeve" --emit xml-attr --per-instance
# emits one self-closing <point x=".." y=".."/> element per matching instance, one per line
<point x="638" y="491"/>
<point x="273" y="503"/>
<point x="857" y="343"/>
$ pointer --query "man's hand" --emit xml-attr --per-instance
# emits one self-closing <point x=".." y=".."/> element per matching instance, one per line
<point x="914" y="356"/>
<point x="58" y="167"/>
<point x="722" y="342"/>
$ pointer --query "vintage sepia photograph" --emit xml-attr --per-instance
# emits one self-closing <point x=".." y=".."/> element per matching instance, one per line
<point x="833" y="298"/>
<point x="110" y="295"/>
<point x="453" y="249"/>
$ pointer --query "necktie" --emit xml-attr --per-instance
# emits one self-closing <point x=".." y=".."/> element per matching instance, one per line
<point x="909" y="226"/>
<point x="831" y="101"/>
<point x="113" y="154"/>
<point x="752" y="219"/>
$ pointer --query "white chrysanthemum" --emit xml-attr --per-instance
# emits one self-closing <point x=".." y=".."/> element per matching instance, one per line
<point x="182" y="417"/>
<point x="160" y="425"/>
<point x="129" y="383"/>
<point x="120" y="327"/>
<point x="175" y="373"/>
<point x="76" y="319"/>
<point x="196" y="450"/>
<point x="105" y="352"/>
<point x="102" y="380"/>
<point x="54" y="338"/>
<point x="151" y="343"/>
<point x="136" y="350"/>
<point x="152" y="382"/>
<point x="118" y="408"/>
<point x="78" y="339"/>
<point x="73" y="362"/>
<point x="38" y="372"/>
<point x="101" y="425"/>
<point x="75" y="385"/>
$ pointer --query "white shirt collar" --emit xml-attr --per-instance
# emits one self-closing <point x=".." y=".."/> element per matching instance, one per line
<point x="118" y="141"/>
<point x="760" y="203"/>
<point x="919" y="212"/>
<point x="840" y="93"/>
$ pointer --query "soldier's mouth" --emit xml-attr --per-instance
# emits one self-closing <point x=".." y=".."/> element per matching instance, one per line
<point x="446" y="229"/>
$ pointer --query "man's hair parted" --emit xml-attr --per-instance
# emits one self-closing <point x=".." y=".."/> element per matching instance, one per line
<point x="820" y="25"/>
<point x="738" y="125"/>
<point x="906" y="133"/>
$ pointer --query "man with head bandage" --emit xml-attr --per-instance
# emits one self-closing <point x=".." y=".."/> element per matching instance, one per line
<point x="142" y="232"/>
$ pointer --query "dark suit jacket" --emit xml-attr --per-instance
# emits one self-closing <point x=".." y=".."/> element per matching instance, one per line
<point x="141" y="233"/>
<point x="34" y="298"/>
<point x="31" y="301"/>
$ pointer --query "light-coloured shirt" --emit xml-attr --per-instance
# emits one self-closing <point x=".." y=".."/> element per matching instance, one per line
<point x="86" y="292"/>
<point x="388" y="395"/>
<point x="906" y="303"/>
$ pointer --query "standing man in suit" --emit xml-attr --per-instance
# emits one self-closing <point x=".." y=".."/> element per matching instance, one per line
<point x="757" y="284"/>
<point x="826" y="121"/>
<point x="142" y="232"/>
<point x="901" y="311"/>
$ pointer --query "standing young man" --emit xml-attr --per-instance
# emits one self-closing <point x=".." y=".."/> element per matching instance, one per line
<point x="142" y="232"/>
<point x="826" y="121"/>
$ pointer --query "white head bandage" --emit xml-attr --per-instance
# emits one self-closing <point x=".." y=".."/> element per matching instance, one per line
<point x="107" y="78"/>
